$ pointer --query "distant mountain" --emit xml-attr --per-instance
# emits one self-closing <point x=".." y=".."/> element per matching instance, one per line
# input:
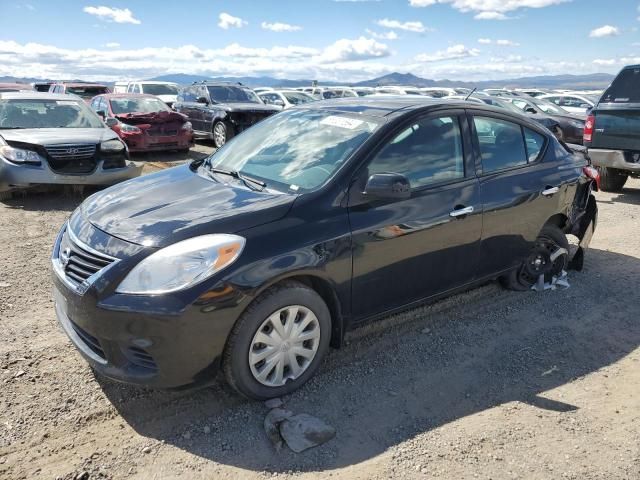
<point x="592" y="81"/>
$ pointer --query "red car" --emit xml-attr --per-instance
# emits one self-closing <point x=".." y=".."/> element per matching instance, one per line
<point x="144" y="122"/>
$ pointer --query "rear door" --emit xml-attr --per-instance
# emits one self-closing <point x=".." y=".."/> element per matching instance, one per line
<point x="407" y="250"/>
<point x="523" y="184"/>
<point x="617" y="115"/>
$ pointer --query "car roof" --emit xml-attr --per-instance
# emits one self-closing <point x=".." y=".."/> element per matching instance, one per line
<point x="28" y="95"/>
<point x="126" y="95"/>
<point x="80" y="84"/>
<point x="389" y="106"/>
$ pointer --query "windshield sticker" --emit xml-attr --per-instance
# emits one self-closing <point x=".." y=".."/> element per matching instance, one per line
<point x="342" y="122"/>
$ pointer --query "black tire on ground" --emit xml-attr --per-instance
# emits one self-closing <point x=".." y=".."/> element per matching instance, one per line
<point x="550" y="235"/>
<point x="612" y="180"/>
<point x="235" y="363"/>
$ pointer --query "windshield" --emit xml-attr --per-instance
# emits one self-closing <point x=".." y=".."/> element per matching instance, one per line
<point x="297" y="98"/>
<point x="159" y="89"/>
<point x="32" y="113"/>
<point x="295" y="149"/>
<point x="137" y="105"/>
<point x="87" y="92"/>
<point x="229" y="94"/>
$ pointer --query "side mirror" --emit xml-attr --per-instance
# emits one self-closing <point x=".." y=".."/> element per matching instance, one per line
<point x="530" y="110"/>
<point x="278" y="103"/>
<point x="203" y="100"/>
<point x="387" y="185"/>
<point x="111" y="122"/>
<point x="101" y="114"/>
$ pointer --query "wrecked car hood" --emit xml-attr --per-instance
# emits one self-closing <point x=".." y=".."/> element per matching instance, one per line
<point x="151" y="118"/>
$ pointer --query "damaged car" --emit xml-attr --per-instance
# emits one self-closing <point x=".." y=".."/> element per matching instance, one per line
<point x="56" y="139"/>
<point x="144" y="122"/>
<point x="220" y="110"/>
<point x="260" y="257"/>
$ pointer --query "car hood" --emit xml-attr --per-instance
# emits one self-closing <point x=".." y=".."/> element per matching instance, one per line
<point x="52" y="136"/>
<point x="248" y="107"/>
<point x="150" y="118"/>
<point x="175" y="204"/>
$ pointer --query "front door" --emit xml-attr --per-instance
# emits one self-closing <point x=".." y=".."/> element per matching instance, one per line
<point x="407" y="250"/>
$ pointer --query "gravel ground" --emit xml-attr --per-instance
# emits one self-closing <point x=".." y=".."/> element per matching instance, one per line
<point x="486" y="384"/>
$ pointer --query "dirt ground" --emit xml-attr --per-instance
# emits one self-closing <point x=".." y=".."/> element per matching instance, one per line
<point x="488" y="384"/>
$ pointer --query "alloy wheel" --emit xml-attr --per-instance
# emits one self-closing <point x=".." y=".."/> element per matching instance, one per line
<point x="220" y="134"/>
<point x="284" y="346"/>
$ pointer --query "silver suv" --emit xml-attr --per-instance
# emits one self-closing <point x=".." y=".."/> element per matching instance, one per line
<point x="56" y="139"/>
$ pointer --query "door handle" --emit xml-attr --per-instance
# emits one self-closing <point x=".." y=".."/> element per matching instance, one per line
<point x="460" y="212"/>
<point x="547" y="192"/>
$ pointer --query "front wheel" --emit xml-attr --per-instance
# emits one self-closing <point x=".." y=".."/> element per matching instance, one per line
<point x="612" y="180"/>
<point x="220" y="133"/>
<point x="549" y="257"/>
<point x="278" y="343"/>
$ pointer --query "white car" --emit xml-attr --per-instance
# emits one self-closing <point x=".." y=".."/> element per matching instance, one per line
<point x="263" y="89"/>
<point x="166" y="91"/>
<point x="120" y="87"/>
<point x="441" y="92"/>
<point x="285" y="98"/>
<point x="395" y="90"/>
<point x="572" y="102"/>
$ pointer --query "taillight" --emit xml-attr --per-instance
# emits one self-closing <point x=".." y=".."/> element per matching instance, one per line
<point x="593" y="174"/>
<point x="589" y="125"/>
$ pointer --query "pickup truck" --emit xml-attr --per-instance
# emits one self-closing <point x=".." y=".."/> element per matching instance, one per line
<point x="612" y="131"/>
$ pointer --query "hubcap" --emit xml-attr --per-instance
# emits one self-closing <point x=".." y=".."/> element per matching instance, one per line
<point x="284" y="346"/>
<point x="220" y="134"/>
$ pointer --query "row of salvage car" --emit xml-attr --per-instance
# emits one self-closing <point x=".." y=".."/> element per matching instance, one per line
<point x="62" y="146"/>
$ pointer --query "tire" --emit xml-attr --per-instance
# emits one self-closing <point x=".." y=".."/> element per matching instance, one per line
<point x="222" y="133"/>
<point x="277" y="304"/>
<point x="549" y="240"/>
<point x="612" y="180"/>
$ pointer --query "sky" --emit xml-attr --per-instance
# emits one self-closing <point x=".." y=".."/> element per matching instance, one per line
<point x="338" y="40"/>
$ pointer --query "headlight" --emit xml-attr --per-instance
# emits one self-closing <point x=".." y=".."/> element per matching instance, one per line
<point x="114" y="145"/>
<point x="18" y="155"/>
<point x="182" y="264"/>
<point x="187" y="126"/>
<point x="129" y="128"/>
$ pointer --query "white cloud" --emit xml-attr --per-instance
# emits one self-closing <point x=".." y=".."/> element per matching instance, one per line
<point x="619" y="62"/>
<point x="604" y="31"/>
<point x="488" y="9"/>
<point x="415" y="26"/>
<point x="280" y="27"/>
<point x="389" y="35"/>
<point x="117" y="15"/>
<point x="225" y="21"/>
<point x="112" y="45"/>
<point x="452" y="53"/>
<point x="491" y="16"/>
<point x="346" y="50"/>
<point x="507" y="43"/>
<point x="484" y="41"/>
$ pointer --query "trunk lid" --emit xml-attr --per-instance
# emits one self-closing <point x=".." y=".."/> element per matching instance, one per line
<point x="616" y="127"/>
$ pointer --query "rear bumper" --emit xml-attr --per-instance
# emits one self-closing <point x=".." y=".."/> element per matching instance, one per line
<point x="612" y="159"/>
<point x="13" y="176"/>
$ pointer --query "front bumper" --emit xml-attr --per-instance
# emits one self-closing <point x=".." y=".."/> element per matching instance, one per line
<point x="612" y="159"/>
<point x="145" y="143"/>
<point x="14" y="176"/>
<point x="156" y="341"/>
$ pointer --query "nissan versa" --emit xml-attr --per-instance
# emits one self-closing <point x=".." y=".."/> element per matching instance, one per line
<point x="317" y="219"/>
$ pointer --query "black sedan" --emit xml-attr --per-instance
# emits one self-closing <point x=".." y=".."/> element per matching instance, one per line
<point x="315" y="220"/>
<point x="570" y="125"/>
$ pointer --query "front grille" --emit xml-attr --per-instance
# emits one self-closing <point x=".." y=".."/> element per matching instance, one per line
<point x="162" y="132"/>
<point x="90" y="341"/>
<point x="72" y="158"/>
<point x="140" y="357"/>
<point x="78" y="262"/>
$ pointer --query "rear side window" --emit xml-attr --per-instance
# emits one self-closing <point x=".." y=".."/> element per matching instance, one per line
<point x="427" y="152"/>
<point x="625" y="88"/>
<point x="501" y="144"/>
<point x="534" y="143"/>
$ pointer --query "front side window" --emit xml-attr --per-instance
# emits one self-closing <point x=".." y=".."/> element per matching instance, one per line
<point x="160" y="89"/>
<point x="427" y="152"/>
<point x="297" y="98"/>
<point x="295" y="150"/>
<point x="36" y="113"/>
<point x="501" y="144"/>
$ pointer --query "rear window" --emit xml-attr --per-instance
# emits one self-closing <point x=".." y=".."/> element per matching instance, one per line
<point x="87" y="91"/>
<point x="625" y="88"/>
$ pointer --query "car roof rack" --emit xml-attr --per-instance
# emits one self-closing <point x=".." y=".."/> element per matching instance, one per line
<point x="216" y="82"/>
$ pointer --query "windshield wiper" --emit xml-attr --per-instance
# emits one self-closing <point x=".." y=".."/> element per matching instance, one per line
<point x="248" y="181"/>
